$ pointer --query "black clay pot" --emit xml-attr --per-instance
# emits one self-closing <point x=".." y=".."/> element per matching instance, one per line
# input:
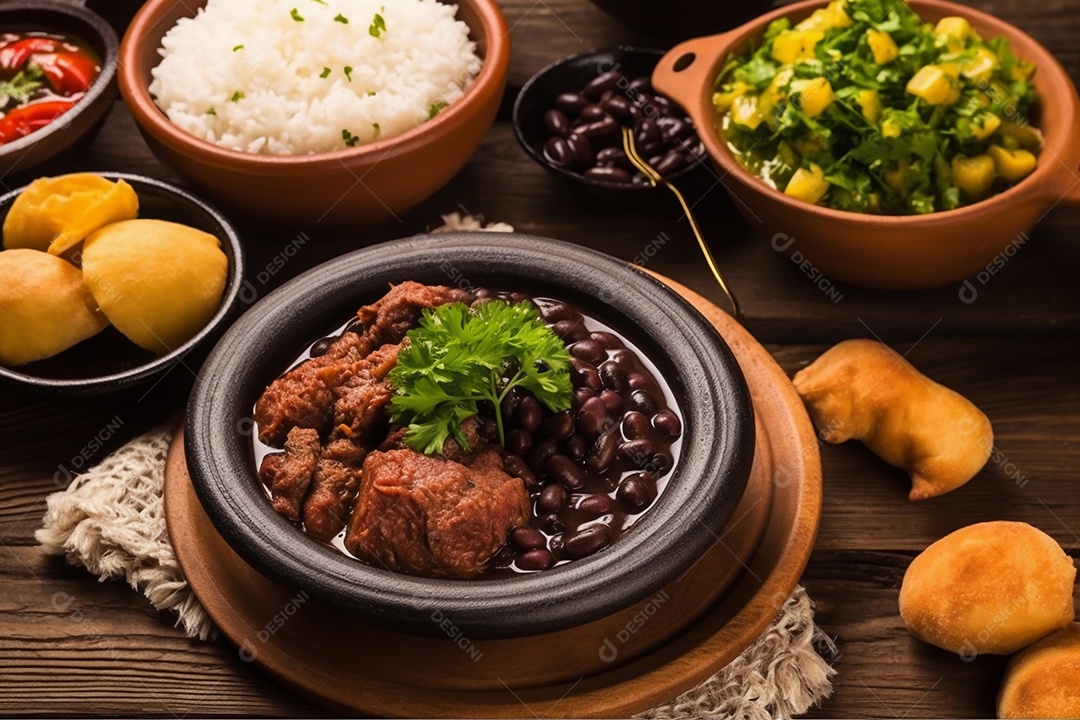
<point x="704" y="490"/>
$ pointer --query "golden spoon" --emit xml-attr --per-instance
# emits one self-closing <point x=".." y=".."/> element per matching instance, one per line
<point x="654" y="178"/>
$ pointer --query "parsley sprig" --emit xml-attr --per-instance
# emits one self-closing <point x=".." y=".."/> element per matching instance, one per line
<point x="459" y="357"/>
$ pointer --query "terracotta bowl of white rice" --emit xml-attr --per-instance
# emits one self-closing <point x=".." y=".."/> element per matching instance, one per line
<point x="339" y="111"/>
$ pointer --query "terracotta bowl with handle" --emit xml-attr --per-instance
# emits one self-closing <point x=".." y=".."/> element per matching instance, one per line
<point x="364" y="184"/>
<point x="890" y="252"/>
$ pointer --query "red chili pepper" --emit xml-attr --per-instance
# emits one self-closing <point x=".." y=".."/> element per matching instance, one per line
<point x="22" y="121"/>
<point x="69" y="73"/>
<point x="13" y="56"/>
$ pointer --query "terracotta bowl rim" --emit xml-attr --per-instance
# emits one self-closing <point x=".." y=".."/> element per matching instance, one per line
<point x="1041" y="186"/>
<point x="153" y="120"/>
<point x="717" y="452"/>
<point x="230" y="298"/>
<point x="109" y="64"/>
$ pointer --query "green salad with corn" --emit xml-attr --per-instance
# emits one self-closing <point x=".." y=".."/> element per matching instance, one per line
<point x="864" y="107"/>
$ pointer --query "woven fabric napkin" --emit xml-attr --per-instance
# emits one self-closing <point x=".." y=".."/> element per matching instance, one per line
<point x="111" y="520"/>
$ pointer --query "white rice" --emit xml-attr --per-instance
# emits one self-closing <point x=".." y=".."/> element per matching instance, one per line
<point x="245" y="74"/>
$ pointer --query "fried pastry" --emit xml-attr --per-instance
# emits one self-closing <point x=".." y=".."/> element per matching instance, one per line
<point x="1043" y="681"/>
<point x="863" y="390"/>
<point x="993" y="587"/>
<point x="158" y="282"/>
<point x="45" y="307"/>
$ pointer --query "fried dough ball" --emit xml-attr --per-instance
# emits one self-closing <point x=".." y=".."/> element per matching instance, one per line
<point x="993" y="587"/>
<point x="158" y="282"/>
<point x="45" y="307"/>
<point x="863" y="390"/>
<point x="55" y="214"/>
<point x="1043" y="681"/>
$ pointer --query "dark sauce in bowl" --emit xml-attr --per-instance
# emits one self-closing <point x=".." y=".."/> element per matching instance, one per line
<point x="592" y="471"/>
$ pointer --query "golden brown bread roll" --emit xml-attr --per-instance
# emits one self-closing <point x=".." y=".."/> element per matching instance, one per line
<point x="863" y="390"/>
<point x="158" y="282"/>
<point x="1043" y="681"/>
<point x="993" y="587"/>
<point x="45" y="307"/>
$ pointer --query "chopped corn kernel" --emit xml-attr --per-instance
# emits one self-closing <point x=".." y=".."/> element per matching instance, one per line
<point x="934" y="85"/>
<point x="882" y="46"/>
<point x="973" y="175"/>
<point x="1012" y="165"/>
<point x="807" y="185"/>
<point x="791" y="46"/>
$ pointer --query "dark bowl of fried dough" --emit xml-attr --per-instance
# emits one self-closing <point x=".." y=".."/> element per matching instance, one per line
<point x="243" y="391"/>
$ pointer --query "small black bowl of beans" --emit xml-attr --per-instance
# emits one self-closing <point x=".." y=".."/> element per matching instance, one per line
<point x="569" y="118"/>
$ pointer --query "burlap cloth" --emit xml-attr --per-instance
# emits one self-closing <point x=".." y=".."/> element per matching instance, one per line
<point x="111" y="520"/>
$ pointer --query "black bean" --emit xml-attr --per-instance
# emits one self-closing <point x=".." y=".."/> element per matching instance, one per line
<point x="613" y="157"/>
<point x="582" y="543"/>
<point x="571" y="330"/>
<point x="647" y="132"/>
<point x="319" y="349"/>
<point x="527" y="538"/>
<point x="559" y="426"/>
<point x="589" y="350"/>
<point x="509" y="406"/>
<point x="651" y="149"/>
<point x="556" y="123"/>
<point x="515" y="467"/>
<point x="487" y="428"/>
<point x="608" y="174"/>
<point x="661" y="102"/>
<point x="591" y="114"/>
<point x="670" y="164"/>
<point x="529" y="414"/>
<point x="610" y="341"/>
<point x="538" y="455"/>
<point x="661" y="462"/>
<point x="581" y="394"/>
<point x="625" y="357"/>
<point x="639" y="381"/>
<point x="636" y="492"/>
<point x="667" y="423"/>
<point x="554" y="312"/>
<point x="566" y="472"/>
<point x="593" y="506"/>
<point x="608" y="81"/>
<point x="604" y="96"/>
<point x="574" y="447"/>
<point x="601" y="129"/>
<point x="638" y="452"/>
<point x="635" y="426"/>
<point x="481" y="293"/>
<point x="618" y="107"/>
<point x="518" y="441"/>
<point x="602" y="453"/>
<point x="537" y="559"/>
<point x="582" y="374"/>
<point x="642" y="401"/>
<point x="591" y="418"/>
<point x="571" y="103"/>
<point x="552" y="499"/>
<point x="613" y="376"/>
<point x="581" y="148"/>
<point x="641" y="84"/>
<point x="612" y="401"/>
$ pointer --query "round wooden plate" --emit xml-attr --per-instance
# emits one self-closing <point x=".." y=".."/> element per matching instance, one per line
<point x="617" y="666"/>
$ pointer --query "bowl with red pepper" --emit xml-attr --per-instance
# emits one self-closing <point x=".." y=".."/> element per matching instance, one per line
<point x="57" y="80"/>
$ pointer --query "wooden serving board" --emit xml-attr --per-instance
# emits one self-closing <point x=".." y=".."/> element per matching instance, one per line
<point x="616" y="666"/>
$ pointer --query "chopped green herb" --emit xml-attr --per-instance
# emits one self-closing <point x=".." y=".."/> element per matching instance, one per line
<point x="349" y="138"/>
<point x="459" y="357"/>
<point x="325" y="72"/>
<point x="237" y="47"/>
<point x="378" y="130"/>
<point x="321" y="2"/>
<point x="295" y="14"/>
<point x="211" y="111"/>
<point x="435" y="108"/>
<point x="864" y="107"/>
<point x="237" y="96"/>
<point x="22" y="86"/>
<point x="378" y="26"/>
<point x="348" y="73"/>
<point x="341" y="19"/>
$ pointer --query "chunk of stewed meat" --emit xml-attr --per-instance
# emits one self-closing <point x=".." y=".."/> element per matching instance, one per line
<point x="434" y="517"/>
<point x="333" y="489"/>
<point x="304" y="396"/>
<point x="288" y="474"/>
<point x="360" y="405"/>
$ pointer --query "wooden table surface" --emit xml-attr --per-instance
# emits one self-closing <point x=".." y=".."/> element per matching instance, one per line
<point x="72" y="646"/>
